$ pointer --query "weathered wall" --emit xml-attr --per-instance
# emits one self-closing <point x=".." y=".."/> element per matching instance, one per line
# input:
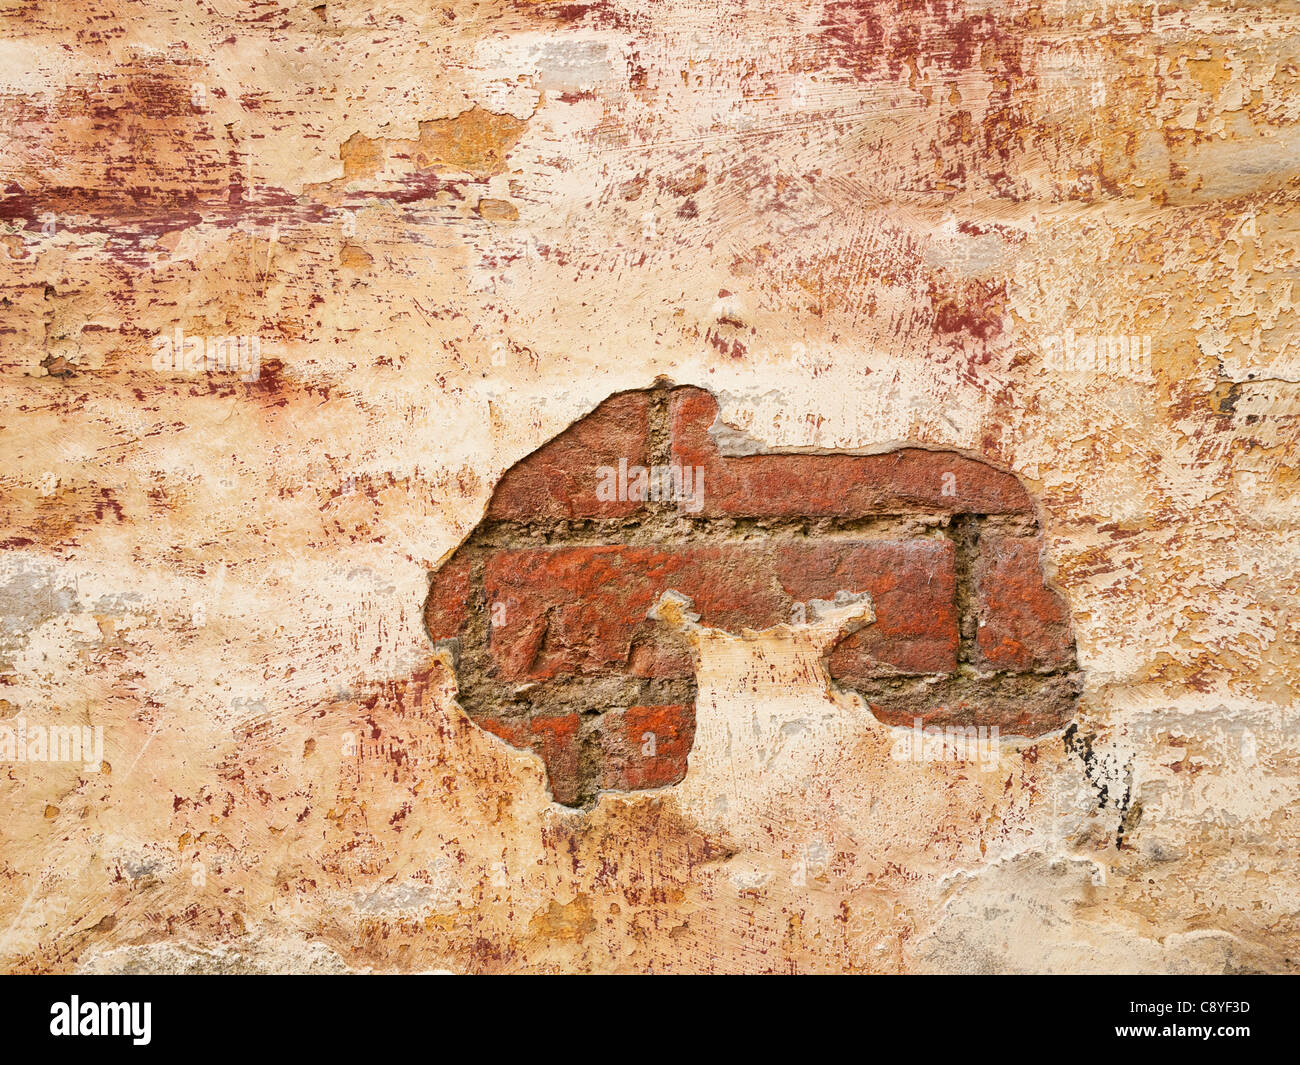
<point x="1055" y="238"/>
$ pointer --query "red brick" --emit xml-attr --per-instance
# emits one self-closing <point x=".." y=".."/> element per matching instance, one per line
<point x="844" y="486"/>
<point x="576" y="610"/>
<point x="625" y="764"/>
<point x="555" y="739"/>
<point x="560" y="479"/>
<point x="582" y="610"/>
<point x="447" y="608"/>
<point x="913" y="587"/>
<point x="1022" y="623"/>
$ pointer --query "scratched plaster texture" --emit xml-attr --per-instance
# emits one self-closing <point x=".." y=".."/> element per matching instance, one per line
<point x="455" y="228"/>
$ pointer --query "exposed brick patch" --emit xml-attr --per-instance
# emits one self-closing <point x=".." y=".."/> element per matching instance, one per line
<point x="546" y="602"/>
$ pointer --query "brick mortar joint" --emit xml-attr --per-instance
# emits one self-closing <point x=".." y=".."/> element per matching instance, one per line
<point x="484" y="696"/>
<point x="675" y="530"/>
<point x="965" y="537"/>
